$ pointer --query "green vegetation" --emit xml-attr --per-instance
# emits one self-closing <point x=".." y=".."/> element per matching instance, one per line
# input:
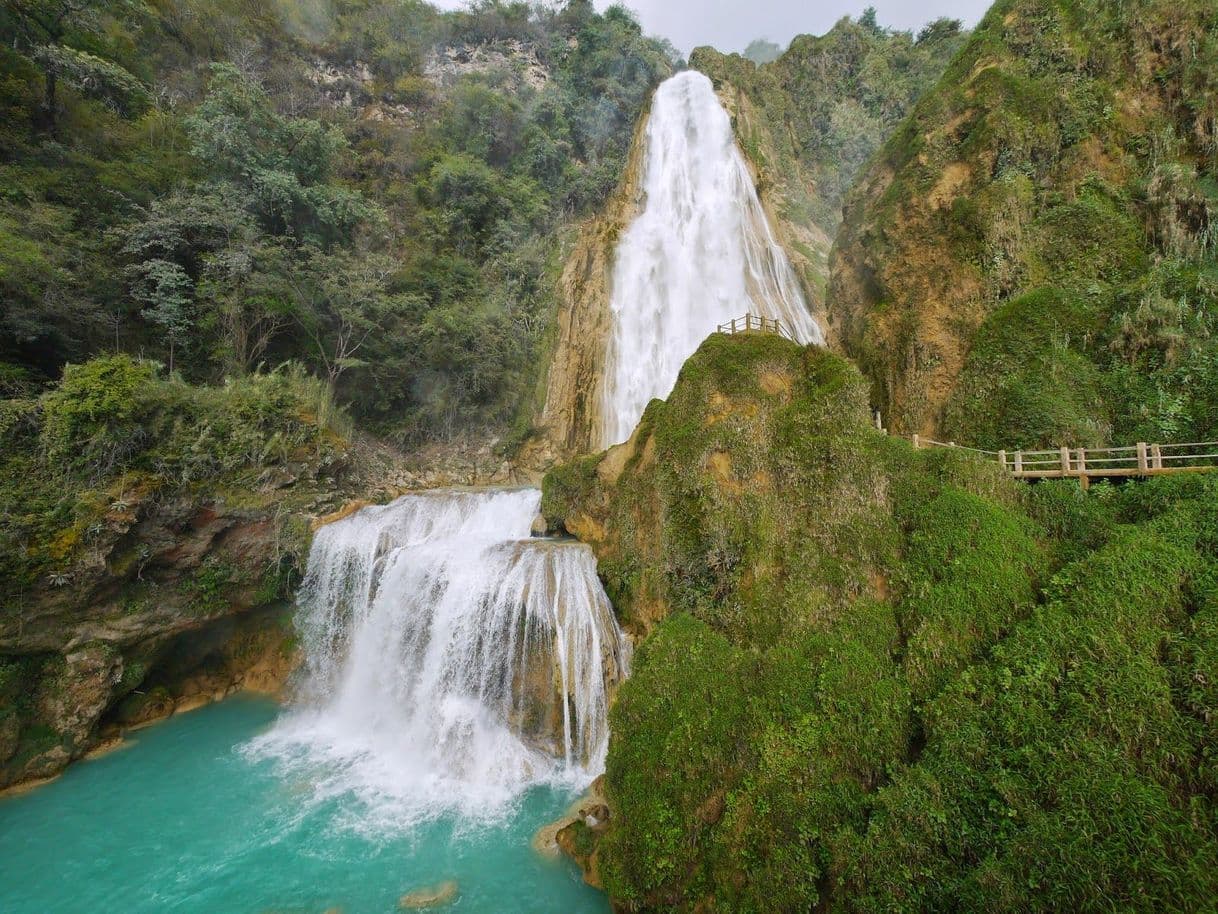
<point x="228" y="185"/>
<point x="828" y="102"/>
<point x="881" y="679"/>
<point x="77" y="463"/>
<point x="1030" y="259"/>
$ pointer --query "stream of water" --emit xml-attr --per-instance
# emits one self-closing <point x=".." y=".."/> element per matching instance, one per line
<point x="701" y="253"/>
<point x="451" y="661"/>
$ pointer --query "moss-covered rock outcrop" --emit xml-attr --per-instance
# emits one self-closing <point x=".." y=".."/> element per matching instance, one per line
<point x="1030" y="257"/>
<point x="872" y="678"/>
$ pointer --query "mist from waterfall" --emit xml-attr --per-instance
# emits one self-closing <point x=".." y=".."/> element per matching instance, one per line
<point x="450" y="660"/>
<point x="699" y="254"/>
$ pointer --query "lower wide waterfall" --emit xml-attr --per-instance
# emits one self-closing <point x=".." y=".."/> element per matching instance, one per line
<point x="451" y="661"/>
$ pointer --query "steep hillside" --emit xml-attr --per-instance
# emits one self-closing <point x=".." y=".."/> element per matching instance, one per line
<point x="1031" y="257"/>
<point x="374" y="189"/>
<point x="152" y="536"/>
<point x="878" y="679"/>
<point x="810" y="119"/>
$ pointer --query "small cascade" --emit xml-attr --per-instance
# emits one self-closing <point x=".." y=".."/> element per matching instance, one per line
<point x="450" y="660"/>
<point x="701" y="253"/>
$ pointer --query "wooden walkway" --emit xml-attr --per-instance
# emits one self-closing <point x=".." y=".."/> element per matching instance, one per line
<point x="751" y="323"/>
<point x="1084" y="464"/>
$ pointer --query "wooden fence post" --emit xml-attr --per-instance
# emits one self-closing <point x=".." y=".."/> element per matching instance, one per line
<point x="1082" y="469"/>
<point x="1142" y="456"/>
<point x="1002" y="459"/>
<point x="1019" y="463"/>
<point x="1156" y="457"/>
<point x="1065" y="460"/>
<point x="917" y="443"/>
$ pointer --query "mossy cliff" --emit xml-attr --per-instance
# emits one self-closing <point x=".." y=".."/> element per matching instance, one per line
<point x="153" y="533"/>
<point x="873" y="678"/>
<point x="808" y="121"/>
<point x="1030" y="257"/>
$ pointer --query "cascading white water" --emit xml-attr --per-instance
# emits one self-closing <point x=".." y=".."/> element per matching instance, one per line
<point x="450" y="660"/>
<point x="699" y="254"/>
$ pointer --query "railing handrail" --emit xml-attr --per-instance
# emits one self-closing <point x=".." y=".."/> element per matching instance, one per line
<point x="1141" y="459"/>
<point x="755" y="322"/>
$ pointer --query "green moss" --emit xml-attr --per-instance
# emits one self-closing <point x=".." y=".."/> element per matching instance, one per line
<point x="566" y="486"/>
<point x="874" y="678"/>
<point x="209" y="587"/>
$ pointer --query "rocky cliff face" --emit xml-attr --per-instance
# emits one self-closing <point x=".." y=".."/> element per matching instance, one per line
<point x="178" y="601"/>
<point x="1027" y="260"/>
<point x="571" y="411"/>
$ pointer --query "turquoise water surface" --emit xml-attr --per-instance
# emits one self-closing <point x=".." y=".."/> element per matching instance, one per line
<point x="182" y="820"/>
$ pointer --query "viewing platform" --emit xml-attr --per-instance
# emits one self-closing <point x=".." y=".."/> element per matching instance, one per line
<point x="752" y="323"/>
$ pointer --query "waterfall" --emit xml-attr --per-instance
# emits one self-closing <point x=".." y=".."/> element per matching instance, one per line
<point x="450" y="660"/>
<point x="699" y="254"/>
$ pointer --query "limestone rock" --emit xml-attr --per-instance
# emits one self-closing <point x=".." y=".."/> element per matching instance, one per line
<point x="432" y="896"/>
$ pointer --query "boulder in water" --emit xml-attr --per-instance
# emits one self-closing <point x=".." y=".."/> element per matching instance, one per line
<point x="432" y="896"/>
<point x="540" y="527"/>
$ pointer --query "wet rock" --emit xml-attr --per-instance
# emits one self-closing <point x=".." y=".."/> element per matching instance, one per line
<point x="10" y="735"/>
<point x="432" y="896"/>
<point x="72" y="704"/>
<point x="539" y="527"/>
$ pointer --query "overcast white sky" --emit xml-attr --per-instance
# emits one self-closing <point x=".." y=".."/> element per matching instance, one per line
<point x="729" y="25"/>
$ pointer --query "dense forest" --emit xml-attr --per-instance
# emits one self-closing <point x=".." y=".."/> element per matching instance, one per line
<point x="376" y="191"/>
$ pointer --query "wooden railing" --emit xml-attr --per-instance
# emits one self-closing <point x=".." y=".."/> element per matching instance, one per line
<point x="1084" y="464"/>
<point x="755" y="324"/>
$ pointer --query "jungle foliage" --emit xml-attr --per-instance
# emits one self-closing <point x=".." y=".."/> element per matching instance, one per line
<point x="80" y="461"/>
<point x="227" y="185"/>
<point x="880" y="679"/>
<point x="1030" y="259"/>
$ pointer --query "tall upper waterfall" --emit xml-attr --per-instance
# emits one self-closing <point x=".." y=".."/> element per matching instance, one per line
<point x="699" y="254"/>
<point x="450" y="660"/>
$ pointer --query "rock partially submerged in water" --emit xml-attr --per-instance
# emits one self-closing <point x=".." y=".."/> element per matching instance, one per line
<point x="577" y="834"/>
<point x="432" y="896"/>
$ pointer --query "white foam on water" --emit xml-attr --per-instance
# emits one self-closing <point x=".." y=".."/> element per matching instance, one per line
<point x="451" y="662"/>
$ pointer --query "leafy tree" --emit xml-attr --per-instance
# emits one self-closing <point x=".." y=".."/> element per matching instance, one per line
<point x="284" y="166"/>
<point x="47" y="30"/>
<point x="762" y="50"/>
<point x="342" y="300"/>
<point x="246" y="300"/>
<point x="165" y="291"/>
